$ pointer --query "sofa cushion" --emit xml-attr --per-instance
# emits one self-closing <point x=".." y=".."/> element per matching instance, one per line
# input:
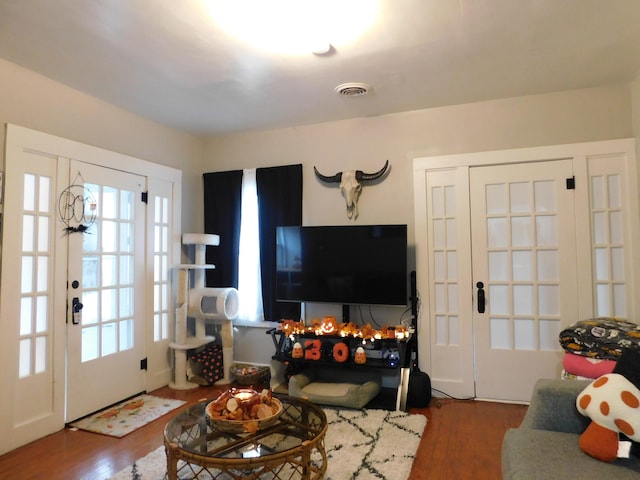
<point x="530" y="454"/>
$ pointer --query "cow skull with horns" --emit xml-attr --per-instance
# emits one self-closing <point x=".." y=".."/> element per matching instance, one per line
<point x="351" y="185"/>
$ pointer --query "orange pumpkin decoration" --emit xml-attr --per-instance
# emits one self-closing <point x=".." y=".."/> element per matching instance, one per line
<point x="329" y="325"/>
<point x="340" y="352"/>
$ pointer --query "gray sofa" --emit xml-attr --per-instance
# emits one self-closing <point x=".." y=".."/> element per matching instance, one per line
<point x="545" y="446"/>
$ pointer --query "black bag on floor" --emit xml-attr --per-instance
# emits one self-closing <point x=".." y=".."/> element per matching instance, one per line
<point x="419" y="394"/>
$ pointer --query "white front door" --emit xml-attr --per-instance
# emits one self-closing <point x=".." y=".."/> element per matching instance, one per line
<point x="106" y="287"/>
<point x="524" y="273"/>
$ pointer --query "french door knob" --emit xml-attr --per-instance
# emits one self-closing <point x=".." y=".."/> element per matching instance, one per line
<point x="481" y="299"/>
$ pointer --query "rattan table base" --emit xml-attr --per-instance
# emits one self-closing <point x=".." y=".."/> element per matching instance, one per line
<point x="291" y="449"/>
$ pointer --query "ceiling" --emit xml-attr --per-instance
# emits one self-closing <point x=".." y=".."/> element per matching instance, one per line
<point x="167" y="60"/>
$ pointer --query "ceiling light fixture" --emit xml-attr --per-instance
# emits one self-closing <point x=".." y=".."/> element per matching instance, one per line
<point x="295" y="26"/>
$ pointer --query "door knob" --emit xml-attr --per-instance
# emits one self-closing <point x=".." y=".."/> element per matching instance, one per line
<point x="76" y="306"/>
<point x="481" y="299"/>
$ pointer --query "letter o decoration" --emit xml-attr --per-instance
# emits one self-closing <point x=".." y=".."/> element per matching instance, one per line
<point x="340" y="352"/>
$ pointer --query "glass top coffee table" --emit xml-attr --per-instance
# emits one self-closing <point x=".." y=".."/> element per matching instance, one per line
<point x="291" y="448"/>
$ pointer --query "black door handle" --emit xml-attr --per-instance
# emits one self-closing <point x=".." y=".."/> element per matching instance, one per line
<point x="481" y="300"/>
<point x="75" y="310"/>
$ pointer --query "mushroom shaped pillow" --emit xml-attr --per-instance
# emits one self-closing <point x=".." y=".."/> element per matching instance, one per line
<point x="612" y="402"/>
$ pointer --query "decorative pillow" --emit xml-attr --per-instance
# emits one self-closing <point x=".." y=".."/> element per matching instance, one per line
<point x="612" y="402"/>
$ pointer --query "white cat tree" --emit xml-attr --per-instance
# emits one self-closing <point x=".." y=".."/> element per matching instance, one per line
<point x="201" y="303"/>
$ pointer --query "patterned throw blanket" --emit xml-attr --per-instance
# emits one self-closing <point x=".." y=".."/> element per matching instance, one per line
<point x="602" y="338"/>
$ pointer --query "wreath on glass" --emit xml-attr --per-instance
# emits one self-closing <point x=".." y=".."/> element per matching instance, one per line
<point x="77" y="207"/>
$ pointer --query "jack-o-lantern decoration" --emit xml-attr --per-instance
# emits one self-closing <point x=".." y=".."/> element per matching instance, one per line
<point x="340" y="352"/>
<point x="312" y="350"/>
<point x="329" y="325"/>
<point x="298" y="351"/>
<point x="360" y="357"/>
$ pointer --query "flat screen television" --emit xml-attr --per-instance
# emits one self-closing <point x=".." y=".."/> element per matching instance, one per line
<point x="356" y="264"/>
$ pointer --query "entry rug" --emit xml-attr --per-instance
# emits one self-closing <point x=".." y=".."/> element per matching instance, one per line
<point x="360" y="444"/>
<point x="122" y="419"/>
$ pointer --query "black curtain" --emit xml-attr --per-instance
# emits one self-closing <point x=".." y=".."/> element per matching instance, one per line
<point x="279" y="204"/>
<point x="222" y="214"/>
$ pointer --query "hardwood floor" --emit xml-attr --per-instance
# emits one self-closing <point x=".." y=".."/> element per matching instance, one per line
<point x="462" y="440"/>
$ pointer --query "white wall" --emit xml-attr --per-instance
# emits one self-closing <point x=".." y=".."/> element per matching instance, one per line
<point x="365" y="143"/>
<point x="33" y="101"/>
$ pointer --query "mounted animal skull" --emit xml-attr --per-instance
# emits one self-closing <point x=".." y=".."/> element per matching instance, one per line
<point x="351" y="185"/>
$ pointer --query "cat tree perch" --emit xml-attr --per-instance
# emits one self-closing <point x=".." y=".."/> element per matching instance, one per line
<point x="196" y="301"/>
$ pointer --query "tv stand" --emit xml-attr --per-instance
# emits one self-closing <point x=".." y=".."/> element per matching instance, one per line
<point x="384" y="357"/>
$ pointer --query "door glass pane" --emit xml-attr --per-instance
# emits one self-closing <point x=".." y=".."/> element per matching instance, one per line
<point x="90" y="345"/>
<point x="499" y="299"/>
<point x="545" y="196"/>
<point x="601" y="264"/>
<point x="109" y="338"/>
<point x="522" y="265"/>
<point x="127" y="205"/>
<point x="40" y="355"/>
<point x="90" y="271"/>
<point x="619" y="301"/>
<point x="617" y="264"/>
<point x="126" y="302"/>
<point x="546" y="231"/>
<point x="42" y="310"/>
<point x="437" y="202"/>
<point x="27" y="274"/>
<point x="26" y="313"/>
<point x="109" y="270"/>
<point x="548" y="265"/>
<point x="549" y="332"/>
<point x="442" y="338"/>
<point x="438" y="233"/>
<point x="109" y="306"/>
<point x="438" y="262"/>
<point x="614" y="191"/>
<point x="524" y="334"/>
<point x="523" y="300"/>
<point x="597" y="192"/>
<point x="496" y="203"/>
<point x="28" y="233"/>
<point x="521" y="232"/>
<point x="500" y="335"/>
<point x="43" y="197"/>
<point x="90" y="239"/>
<point x="519" y="197"/>
<point x="497" y="232"/>
<point x="126" y="269"/>
<point x="43" y="274"/>
<point x="43" y="234"/>
<point x="29" y="202"/>
<point x="24" y="363"/>
<point x="452" y="265"/>
<point x="109" y="203"/>
<point x="451" y="233"/>
<point x="126" y="334"/>
<point x="454" y="330"/>
<point x="498" y="266"/>
<point x="126" y="237"/>
<point x="615" y="234"/>
<point x="109" y="236"/>
<point x="548" y="300"/>
<point x="90" y="307"/>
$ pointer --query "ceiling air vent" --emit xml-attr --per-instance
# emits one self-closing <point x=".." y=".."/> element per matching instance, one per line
<point x="352" y="89"/>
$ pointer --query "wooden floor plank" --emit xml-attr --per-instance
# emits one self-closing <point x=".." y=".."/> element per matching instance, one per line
<point x="462" y="440"/>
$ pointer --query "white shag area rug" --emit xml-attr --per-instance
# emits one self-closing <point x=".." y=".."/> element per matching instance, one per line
<point x="360" y="444"/>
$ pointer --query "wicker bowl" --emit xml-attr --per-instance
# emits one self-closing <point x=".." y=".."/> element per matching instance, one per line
<point x="245" y="374"/>
<point x="244" y="426"/>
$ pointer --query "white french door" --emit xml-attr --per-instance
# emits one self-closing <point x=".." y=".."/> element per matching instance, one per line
<point x="544" y="235"/>
<point x="119" y="270"/>
<point x="524" y="273"/>
<point x="106" y="288"/>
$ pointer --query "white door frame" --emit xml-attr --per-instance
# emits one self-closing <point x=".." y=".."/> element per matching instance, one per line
<point x="45" y="418"/>
<point x="461" y="382"/>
